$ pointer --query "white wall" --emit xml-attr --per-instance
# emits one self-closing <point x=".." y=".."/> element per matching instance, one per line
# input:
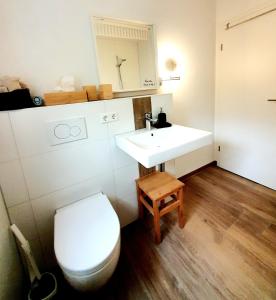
<point x="11" y="279"/>
<point x="47" y="39"/>
<point x="229" y="9"/>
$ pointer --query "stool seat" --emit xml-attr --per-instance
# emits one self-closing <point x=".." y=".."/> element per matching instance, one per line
<point x="159" y="185"/>
<point x="155" y="188"/>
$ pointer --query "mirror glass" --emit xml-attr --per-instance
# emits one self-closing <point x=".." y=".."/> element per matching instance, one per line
<point x="125" y="53"/>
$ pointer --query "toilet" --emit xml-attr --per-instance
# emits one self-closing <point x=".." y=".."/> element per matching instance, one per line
<point x="87" y="242"/>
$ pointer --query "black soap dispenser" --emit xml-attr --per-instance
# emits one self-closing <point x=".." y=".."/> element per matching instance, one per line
<point x="162" y="120"/>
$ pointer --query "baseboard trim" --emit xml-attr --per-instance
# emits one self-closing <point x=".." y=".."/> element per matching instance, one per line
<point x="185" y="177"/>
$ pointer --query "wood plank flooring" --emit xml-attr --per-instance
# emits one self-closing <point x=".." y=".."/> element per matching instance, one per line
<point x="226" y="250"/>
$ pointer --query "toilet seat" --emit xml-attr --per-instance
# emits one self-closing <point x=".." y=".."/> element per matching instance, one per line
<point x="86" y="235"/>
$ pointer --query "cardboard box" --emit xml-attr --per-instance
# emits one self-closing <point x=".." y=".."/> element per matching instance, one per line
<point x="105" y="92"/>
<point x="91" y="91"/>
<point x="57" y="98"/>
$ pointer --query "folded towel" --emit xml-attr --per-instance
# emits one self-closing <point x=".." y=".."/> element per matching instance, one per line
<point x="11" y="83"/>
<point x="3" y="89"/>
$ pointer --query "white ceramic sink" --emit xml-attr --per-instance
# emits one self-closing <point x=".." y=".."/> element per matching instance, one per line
<point x="153" y="147"/>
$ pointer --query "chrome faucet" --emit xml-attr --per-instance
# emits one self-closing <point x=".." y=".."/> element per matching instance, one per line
<point x="149" y="120"/>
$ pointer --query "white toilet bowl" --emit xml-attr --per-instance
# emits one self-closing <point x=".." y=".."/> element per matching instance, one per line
<point x="87" y="242"/>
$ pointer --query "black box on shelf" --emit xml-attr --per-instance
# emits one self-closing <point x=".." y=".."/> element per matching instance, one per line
<point x="16" y="99"/>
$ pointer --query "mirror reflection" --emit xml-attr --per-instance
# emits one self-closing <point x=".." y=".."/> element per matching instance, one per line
<point x="125" y="53"/>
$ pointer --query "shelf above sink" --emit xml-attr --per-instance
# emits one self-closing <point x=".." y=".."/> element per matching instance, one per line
<point x="156" y="146"/>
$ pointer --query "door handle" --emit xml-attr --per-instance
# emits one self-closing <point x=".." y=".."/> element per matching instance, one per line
<point x="271" y="100"/>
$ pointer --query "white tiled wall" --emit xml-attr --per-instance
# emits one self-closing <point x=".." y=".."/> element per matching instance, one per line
<point x="37" y="178"/>
<point x="51" y="171"/>
<point x="13" y="183"/>
<point x="22" y="215"/>
<point x="30" y="131"/>
<point x="7" y="142"/>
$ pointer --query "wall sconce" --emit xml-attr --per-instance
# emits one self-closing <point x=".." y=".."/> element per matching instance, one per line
<point x="170" y="68"/>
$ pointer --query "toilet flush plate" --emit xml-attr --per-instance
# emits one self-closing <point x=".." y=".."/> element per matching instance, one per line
<point x="66" y="131"/>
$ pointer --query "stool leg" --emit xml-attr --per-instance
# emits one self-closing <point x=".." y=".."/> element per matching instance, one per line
<point x="156" y="217"/>
<point x="180" y="196"/>
<point x="140" y="204"/>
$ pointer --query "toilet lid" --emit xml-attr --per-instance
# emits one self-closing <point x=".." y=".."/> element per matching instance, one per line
<point x="86" y="234"/>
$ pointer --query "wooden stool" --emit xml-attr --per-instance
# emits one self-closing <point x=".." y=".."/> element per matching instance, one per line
<point x="153" y="189"/>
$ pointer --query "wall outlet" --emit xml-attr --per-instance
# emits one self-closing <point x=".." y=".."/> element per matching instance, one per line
<point x="104" y="118"/>
<point x="109" y="117"/>
<point x="113" y="116"/>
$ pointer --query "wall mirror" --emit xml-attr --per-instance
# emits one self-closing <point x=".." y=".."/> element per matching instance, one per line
<point x="126" y="54"/>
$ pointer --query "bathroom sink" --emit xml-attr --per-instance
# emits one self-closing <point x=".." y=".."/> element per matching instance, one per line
<point x="156" y="146"/>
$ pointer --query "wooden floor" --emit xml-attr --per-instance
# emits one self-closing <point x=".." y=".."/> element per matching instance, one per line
<point x="227" y="249"/>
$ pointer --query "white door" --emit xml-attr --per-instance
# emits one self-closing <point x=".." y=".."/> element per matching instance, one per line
<point x="245" y="119"/>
